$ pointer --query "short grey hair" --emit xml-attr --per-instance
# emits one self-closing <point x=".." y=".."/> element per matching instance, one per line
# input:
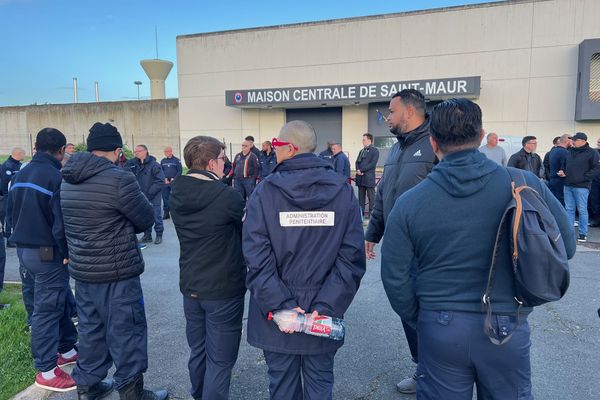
<point x="17" y="150"/>
<point x="301" y="134"/>
<point x="565" y="138"/>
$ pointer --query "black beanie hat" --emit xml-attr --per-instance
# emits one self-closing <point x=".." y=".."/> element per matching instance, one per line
<point x="104" y="137"/>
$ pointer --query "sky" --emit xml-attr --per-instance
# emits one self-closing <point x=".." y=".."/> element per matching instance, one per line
<point x="44" y="44"/>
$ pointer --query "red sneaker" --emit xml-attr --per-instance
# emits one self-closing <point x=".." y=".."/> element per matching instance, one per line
<point x="66" y="361"/>
<point x="62" y="382"/>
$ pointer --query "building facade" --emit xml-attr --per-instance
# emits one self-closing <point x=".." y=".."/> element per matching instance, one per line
<point x="519" y="60"/>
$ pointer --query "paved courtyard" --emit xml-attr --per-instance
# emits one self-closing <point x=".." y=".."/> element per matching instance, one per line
<point x="565" y="335"/>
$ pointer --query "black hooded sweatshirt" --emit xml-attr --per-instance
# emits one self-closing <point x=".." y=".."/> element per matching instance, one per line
<point x="208" y="218"/>
<point x="581" y="166"/>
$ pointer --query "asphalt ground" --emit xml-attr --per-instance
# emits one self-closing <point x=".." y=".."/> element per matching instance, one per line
<point x="565" y="352"/>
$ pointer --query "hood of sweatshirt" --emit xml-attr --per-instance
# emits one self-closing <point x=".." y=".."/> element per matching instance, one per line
<point x="463" y="173"/>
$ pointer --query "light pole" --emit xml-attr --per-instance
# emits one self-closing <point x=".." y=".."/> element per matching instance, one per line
<point x="138" y="83"/>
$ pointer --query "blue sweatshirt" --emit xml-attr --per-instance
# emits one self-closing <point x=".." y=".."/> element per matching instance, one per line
<point x="444" y="230"/>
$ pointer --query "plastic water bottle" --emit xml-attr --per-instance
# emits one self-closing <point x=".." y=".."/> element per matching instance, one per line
<point x="323" y="326"/>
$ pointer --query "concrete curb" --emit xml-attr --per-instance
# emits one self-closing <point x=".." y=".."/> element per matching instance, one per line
<point x="33" y="392"/>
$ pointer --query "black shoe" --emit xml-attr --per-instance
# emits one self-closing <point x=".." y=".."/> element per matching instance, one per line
<point x="11" y="245"/>
<point x="147" y="239"/>
<point x="135" y="391"/>
<point x="582" y="239"/>
<point x="166" y="216"/>
<point x="96" y="392"/>
<point x="158" y="239"/>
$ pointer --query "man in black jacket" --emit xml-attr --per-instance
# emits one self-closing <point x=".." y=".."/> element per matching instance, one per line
<point x="526" y="158"/>
<point x="581" y="167"/>
<point x="171" y="167"/>
<point x="151" y="179"/>
<point x="246" y="168"/>
<point x="365" y="172"/>
<point x="34" y="212"/>
<point x="409" y="162"/>
<point x="103" y="209"/>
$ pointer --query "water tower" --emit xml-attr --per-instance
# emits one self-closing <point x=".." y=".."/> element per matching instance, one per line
<point x="157" y="70"/>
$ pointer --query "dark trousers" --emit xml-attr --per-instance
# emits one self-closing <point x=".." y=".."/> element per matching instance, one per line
<point x="158" y="222"/>
<point x="2" y="261"/>
<point x="370" y="194"/>
<point x="28" y="290"/>
<point x="213" y="330"/>
<point x="52" y="330"/>
<point x="112" y="329"/>
<point x="556" y="186"/>
<point x="245" y="186"/>
<point x="285" y="382"/>
<point x="455" y="353"/>
<point x="594" y="201"/>
<point x="166" y="193"/>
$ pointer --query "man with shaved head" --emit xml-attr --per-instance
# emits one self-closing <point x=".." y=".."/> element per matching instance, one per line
<point x="492" y="151"/>
<point x="303" y="243"/>
<point x="8" y="170"/>
<point x="171" y="166"/>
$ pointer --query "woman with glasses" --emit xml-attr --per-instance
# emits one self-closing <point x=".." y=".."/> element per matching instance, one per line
<point x="208" y="219"/>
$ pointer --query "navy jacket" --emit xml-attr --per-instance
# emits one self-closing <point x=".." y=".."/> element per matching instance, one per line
<point x="103" y="208"/>
<point x="366" y="163"/>
<point x="341" y="164"/>
<point x="557" y="158"/>
<point x="289" y="265"/>
<point x="171" y="167"/>
<point x="8" y="170"/>
<point x="34" y="205"/>
<point x="445" y="228"/>
<point x="327" y="155"/>
<point x="267" y="163"/>
<point x="409" y="162"/>
<point x="150" y="177"/>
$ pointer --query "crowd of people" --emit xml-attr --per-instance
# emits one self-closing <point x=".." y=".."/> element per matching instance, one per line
<point x="290" y="231"/>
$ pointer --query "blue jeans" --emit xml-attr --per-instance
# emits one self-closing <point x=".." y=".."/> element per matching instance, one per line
<point x="577" y="198"/>
<point x="455" y="353"/>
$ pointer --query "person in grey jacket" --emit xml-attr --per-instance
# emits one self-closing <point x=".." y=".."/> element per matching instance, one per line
<point x="409" y="162"/>
<point x="493" y="151"/>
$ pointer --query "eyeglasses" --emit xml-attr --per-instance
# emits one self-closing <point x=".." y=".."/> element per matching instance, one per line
<point x="221" y="158"/>
<point x="278" y="143"/>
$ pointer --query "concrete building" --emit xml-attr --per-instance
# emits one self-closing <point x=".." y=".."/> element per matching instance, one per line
<point x="518" y="59"/>
<point x="154" y="123"/>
